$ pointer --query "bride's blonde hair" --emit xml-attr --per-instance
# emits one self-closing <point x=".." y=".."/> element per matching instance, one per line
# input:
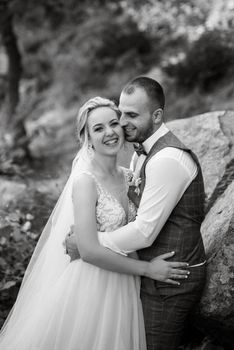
<point x="84" y="112"/>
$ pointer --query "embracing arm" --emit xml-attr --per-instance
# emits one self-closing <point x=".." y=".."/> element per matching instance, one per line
<point x="85" y="229"/>
<point x="166" y="181"/>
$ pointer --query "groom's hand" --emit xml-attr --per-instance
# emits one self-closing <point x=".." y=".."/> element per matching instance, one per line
<point x="71" y="246"/>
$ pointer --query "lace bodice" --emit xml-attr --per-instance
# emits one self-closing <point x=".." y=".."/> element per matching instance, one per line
<point x="110" y="213"/>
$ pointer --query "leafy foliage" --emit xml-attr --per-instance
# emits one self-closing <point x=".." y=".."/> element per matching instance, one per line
<point x="170" y="18"/>
<point x="16" y="246"/>
<point x="119" y="37"/>
<point x="206" y="61"/>
<point x="21" y="224"/>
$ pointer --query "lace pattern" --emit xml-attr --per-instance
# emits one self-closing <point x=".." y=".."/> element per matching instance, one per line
<point x="110" y="214"/>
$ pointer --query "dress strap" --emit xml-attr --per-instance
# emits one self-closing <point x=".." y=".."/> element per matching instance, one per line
<point x="98" y="185"/>
<point x="100" y="189"/>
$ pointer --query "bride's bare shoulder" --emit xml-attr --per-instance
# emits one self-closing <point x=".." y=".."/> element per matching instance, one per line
<point x="85" y="183"/>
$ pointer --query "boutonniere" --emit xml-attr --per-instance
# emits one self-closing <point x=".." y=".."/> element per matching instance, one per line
<point x="135" y="182"/>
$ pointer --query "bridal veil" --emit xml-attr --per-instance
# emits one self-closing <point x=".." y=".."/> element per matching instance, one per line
<point x="49" y="259"/>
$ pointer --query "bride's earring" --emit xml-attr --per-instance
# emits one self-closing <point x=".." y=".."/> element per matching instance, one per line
<point x="90" y="150"/>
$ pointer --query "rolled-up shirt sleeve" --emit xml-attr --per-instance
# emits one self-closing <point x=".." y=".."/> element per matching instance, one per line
<point x="166" y="180"/>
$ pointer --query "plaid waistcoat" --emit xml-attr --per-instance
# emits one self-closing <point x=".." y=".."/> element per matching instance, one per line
<point x="181" y="232"/>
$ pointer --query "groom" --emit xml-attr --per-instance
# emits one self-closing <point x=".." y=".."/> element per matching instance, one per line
<point x="171" y="210"/>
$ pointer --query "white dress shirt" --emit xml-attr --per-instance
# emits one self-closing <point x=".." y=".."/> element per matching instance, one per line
<point x="168" y="174"/>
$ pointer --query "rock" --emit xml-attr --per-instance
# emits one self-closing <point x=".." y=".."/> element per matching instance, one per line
<point x="16" y="234"/>
<point x="215" y="314"/>
<point x="10" y="191"/>
<point x="49" y="133"/>
<point x="53" y="187"/>
<point x="211" y="137"/>
<point x="218" y="236"/>
<point x="29" y="217"/>
<point x="3" y="240"/>
<point x="26" y="226"/>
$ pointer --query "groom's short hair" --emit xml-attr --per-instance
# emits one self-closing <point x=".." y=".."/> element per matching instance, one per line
<point x="152" y="88"/>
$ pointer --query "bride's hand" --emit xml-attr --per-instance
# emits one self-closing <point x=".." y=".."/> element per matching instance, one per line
<point x="165" y="271"/>
<point x="71" y="246"/>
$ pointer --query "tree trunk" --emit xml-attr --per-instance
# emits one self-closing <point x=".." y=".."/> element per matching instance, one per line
<point x="14" y="67"/>
<point x="13" y="124"/>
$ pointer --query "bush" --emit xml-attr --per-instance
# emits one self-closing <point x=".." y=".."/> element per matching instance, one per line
<point x="101" y="45"/>
<point x="206" y="62"/>
<point x="118" y="38"/>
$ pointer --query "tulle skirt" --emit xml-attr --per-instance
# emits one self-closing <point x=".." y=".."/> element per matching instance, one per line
<point x="86" y="309"/>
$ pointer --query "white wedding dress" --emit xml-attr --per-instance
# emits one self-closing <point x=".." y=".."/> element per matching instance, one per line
<point x="87" y="308"/>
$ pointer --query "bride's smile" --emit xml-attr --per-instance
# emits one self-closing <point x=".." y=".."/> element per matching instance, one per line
<point x="112" y="141"/>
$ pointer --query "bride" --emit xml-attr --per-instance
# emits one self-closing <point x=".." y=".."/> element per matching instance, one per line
<point x="65" y="305"/>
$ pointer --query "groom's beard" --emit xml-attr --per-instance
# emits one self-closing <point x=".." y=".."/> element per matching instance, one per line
<point x="139" y="135"/>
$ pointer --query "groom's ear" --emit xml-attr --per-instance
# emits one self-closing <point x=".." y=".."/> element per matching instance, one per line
<point x="158" y="116"/>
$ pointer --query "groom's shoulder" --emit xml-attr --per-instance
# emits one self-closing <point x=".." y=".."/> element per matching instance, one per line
<point x="172" y="140"/>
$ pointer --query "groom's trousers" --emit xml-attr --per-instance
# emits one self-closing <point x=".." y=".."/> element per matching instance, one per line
<point x="167" y="307"/>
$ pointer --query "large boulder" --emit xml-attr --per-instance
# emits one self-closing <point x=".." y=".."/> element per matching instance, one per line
<point x="211" y="137"/>
<point x="216" y="309"/>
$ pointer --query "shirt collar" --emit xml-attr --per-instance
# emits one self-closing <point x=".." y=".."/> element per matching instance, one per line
<point x="148" y="143"/>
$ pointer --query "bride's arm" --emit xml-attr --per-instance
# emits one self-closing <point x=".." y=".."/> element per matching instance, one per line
<point x="84" y="200"/>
